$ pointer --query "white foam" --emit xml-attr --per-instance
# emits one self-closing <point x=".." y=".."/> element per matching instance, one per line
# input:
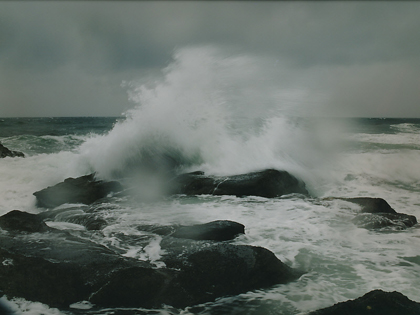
<point x="21" y="306"/>
<point x="21" y="177"/>
<point x="411" y="139"/>
<point x="83" y="305"/>
<point x="218" y="113"/>
<point x="65" y="226"/>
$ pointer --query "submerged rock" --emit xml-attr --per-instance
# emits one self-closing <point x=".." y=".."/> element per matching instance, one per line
<point x="66" y="269"/>
<point x="5" y="152"/>
<point x="85" y="189"/>
<point x="268" y="183"/>
<point x="376" y="302"/>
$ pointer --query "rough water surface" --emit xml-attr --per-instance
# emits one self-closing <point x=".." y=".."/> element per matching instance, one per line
<point x="184" y="125"/>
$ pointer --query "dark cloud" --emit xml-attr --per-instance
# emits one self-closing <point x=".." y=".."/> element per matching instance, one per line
<point x="81" y="51"/>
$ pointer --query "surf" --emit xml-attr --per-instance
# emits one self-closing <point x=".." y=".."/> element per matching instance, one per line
<point x="218" y="113"/>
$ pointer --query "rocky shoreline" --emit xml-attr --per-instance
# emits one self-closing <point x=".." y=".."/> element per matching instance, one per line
<point x="199" y="264"/>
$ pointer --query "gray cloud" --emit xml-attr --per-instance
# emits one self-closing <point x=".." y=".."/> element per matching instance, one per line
<point x="69" y="58"/>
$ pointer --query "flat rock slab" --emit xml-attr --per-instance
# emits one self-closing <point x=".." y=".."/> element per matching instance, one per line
<point x="376" y="302"/>
<point x="267" y="183"/>
<point x="85" y="189"/>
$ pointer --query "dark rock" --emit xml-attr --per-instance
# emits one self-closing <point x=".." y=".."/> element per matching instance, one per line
<point x="221" y="230"/>
<point x="268" y="183"/>
<point x="376" y="213"/>
<point x="5" y="152"/>
<point x="376" y="302"/>
<point x="398" y="221"/>
<point x="371" y="205"/>
<point x="85" y="189"/>
<point x="56" y="284"/>
<point x="138" y="287"/>
<point x="64" y="269"/>
<point x="22" y="221"/>
<point x="207" y="272"/>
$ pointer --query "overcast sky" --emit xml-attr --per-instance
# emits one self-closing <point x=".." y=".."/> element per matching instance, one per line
<point x="70" y="58"/>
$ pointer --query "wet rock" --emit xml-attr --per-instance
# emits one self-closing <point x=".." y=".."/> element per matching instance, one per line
<point x="376" y="213"/>
<point x="397" y="221"/>
<point x="268" y="183"/>
<point x="66" y="268"/>
<point x="5" y="152"/>
<point x="221" y="230"/>
<point x="85" y="189"/>
<point x="62" y="268"/>
<point x="22" y="221"/>
<point x="208" y="272"/>
<point x="55" y="284"/>
<point x="376" y="302"/>
<point x="371" y="205"/>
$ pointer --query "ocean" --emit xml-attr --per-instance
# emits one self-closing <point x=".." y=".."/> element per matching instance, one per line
<point x="224" y="116"/>
<point x="345" y="157"/>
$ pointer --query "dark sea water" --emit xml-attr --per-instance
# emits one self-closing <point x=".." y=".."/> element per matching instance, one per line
<point x="335" y="157"/>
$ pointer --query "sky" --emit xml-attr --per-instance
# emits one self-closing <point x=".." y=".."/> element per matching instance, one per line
<point x="74" y="58"/>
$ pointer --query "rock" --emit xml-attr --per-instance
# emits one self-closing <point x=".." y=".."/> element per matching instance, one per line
<point x="208" y="272"/>
<point x="85" y="189"/>
<point x="221" y="230"/>
<point x="268" y="183"/>
<point x="5" y="152"/>
<point x="55" y="284"/>
<point x="398" y="221"/>
<point x="138" y="287"/>
<point x="22" y="221"/>
<point x="376" y="213"/>
<point x="65" y="269"/>
<point x="371" y="205"/>
<point x="376" y="302"/>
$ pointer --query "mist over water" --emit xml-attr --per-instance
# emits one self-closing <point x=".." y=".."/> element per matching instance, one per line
<point x="218" y="113"/>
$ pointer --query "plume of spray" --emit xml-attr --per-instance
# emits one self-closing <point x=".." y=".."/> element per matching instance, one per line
<point x="214" y="112"/>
